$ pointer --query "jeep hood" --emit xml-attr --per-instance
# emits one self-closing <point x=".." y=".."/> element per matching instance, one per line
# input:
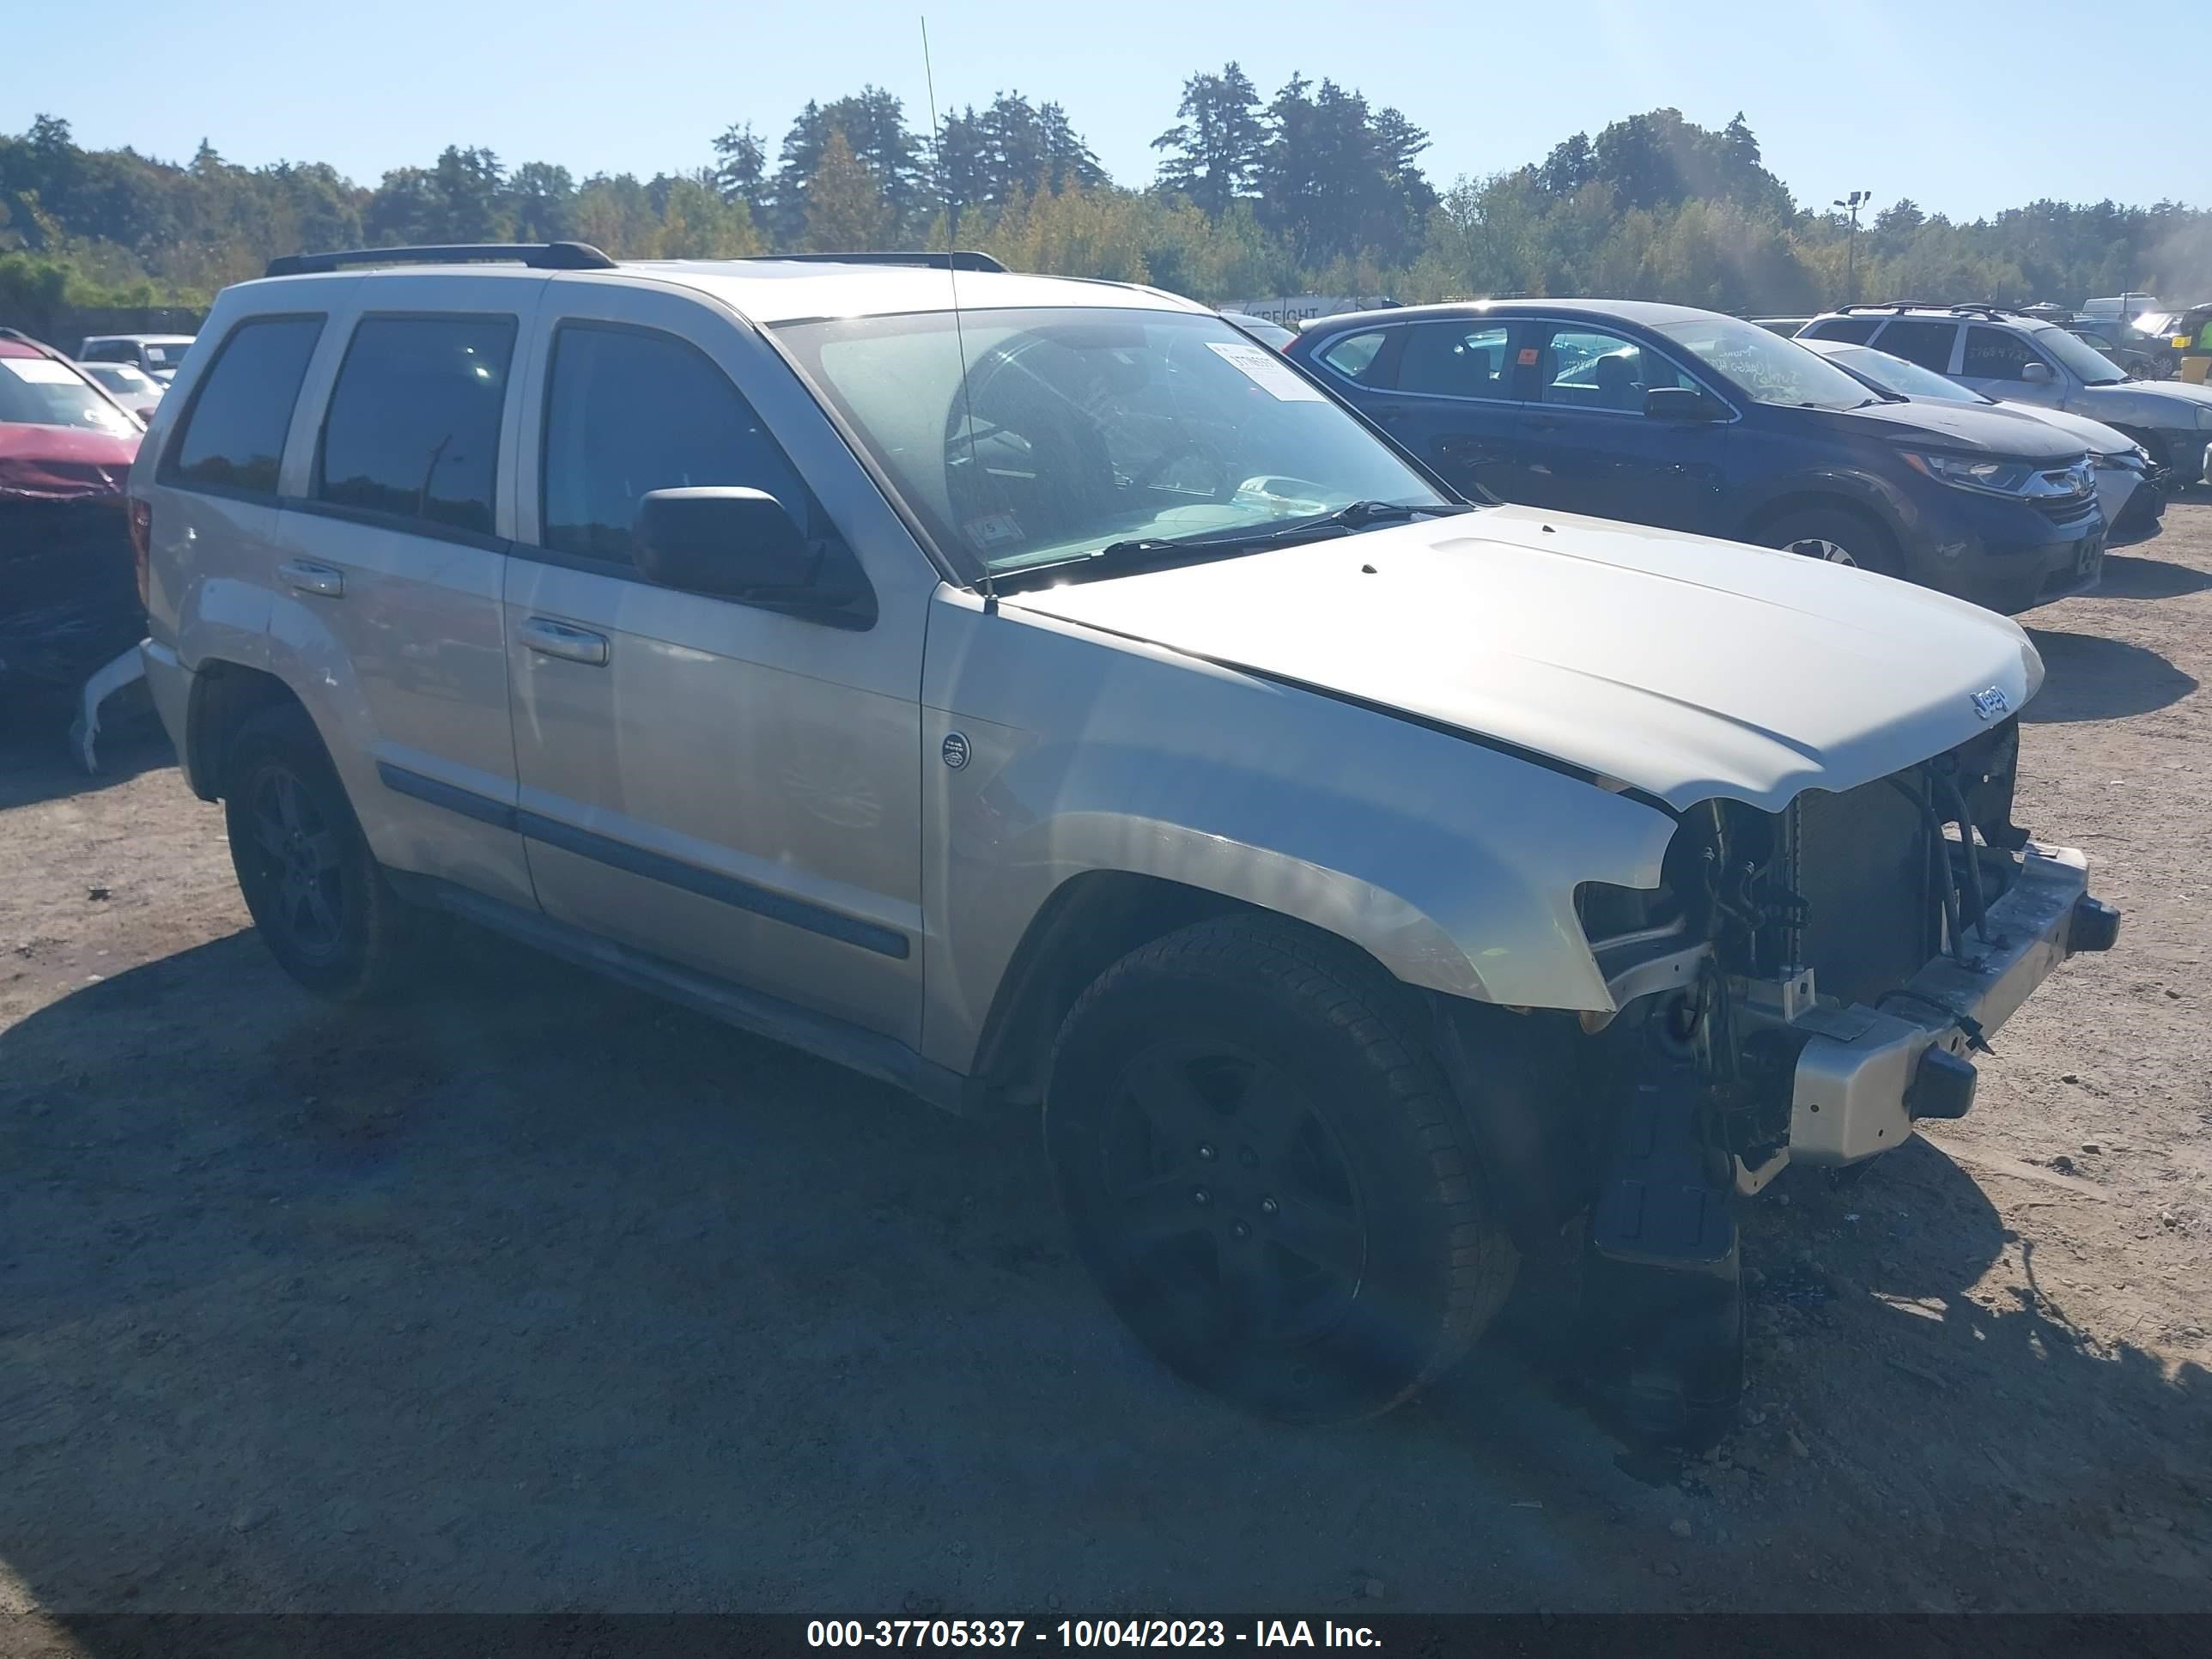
<point x="1682" y="666"/>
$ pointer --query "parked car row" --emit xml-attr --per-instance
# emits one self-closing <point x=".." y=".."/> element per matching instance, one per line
<point x="2007" y="354"/>
<point x="1067" y="704"/>
<point x="1692" y="421"/>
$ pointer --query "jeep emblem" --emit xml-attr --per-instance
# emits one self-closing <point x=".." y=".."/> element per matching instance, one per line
<point x="956" y="746"/>
<point x="1988" y="704"/>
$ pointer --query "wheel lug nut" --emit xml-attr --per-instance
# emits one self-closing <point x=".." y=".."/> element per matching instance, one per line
<point x="1201" y="1197"/>
<point x="1267" y="1206"/>
<point x="1205" y="1152"/>
<point x="1241" y="1230"/>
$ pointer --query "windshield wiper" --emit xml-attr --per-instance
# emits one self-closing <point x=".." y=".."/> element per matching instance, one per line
<point x="1354" y="515"/>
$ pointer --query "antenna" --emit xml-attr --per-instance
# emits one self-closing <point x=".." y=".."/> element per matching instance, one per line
<point x="959" y="336"/>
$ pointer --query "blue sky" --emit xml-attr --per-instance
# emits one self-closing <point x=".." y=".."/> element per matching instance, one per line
<point x="1941" y="102"/>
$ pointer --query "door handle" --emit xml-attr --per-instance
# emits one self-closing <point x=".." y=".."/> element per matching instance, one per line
<point x="305" y="576"/>
<point x="553" y="639"/>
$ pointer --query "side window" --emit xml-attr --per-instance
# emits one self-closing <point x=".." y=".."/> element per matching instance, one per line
<point x="1457" y="360"/>
<point x="1996" y="354"/>
<point x="1589" y="368"/>
<point x="1354" y="355"/>
<point x="1926" y="343"/>
<point x="233" y="436"/>
<point x="412" y="431"/>
<point x="628" y="411"/>
<point x="113" y="351"/>
<point x="1857" y="330"/>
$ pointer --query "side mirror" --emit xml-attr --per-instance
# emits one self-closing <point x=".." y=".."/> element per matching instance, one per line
<point x="720" y="541"/>
<point x="1679" y="403"/>
<point x="2035" y="373"/>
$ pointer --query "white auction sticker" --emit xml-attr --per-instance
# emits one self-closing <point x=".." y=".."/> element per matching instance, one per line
<point x="1264" y="369"/>
<point x="39" y="371"/>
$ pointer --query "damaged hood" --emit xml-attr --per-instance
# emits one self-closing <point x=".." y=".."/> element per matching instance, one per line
<point x="1683" y="666"/>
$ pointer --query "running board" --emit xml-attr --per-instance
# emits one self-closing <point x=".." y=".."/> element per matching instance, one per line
<point x="854" y="1047"/>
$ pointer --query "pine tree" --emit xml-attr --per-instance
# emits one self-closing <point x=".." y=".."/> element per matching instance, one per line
<point x="1213" y="151"/>
<point x="846" y="211"/>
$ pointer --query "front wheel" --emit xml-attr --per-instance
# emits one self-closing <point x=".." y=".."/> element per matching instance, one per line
<point x="1834" y="535"/>
<point x="1267" y="1174"/>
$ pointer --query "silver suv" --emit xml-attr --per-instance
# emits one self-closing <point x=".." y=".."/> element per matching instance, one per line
<point x="1058" y="701"/>
<point x="2015" y="358"/>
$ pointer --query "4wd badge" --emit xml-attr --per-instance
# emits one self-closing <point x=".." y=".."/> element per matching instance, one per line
<point x="955" y="749"/>
<point x="1990" y="703"/>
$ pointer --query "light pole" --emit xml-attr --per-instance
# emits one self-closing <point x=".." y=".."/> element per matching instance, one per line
<point x="1854" y="201"/>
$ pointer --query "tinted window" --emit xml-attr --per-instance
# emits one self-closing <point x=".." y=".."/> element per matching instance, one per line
<point x="1927" y="344"/>
<point x="234" y="435"/>
<point x="629" y="412"/>
<point x="1995" y="354"/>
<point x="413" y="427"/>
<point x="1589" y="368"/>
<point x="113" y="351"/>
<point x="1354" y="355"/>
<point x="1857" y="330"/>
<point x="1454" y="360"/>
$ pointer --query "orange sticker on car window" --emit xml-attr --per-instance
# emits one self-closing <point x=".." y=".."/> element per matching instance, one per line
<point x="1528" y="357"/>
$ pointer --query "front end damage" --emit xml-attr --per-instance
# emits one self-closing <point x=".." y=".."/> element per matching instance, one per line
<point x="1803" y="985"/>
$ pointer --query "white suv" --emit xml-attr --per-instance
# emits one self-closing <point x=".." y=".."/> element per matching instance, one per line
<point x="1063" y="702"/>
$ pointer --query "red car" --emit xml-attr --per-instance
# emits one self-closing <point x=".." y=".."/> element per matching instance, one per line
<point x="69" y="591"/>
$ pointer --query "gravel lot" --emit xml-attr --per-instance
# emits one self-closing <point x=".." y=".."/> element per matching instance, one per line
<point x="539" y="1295"/>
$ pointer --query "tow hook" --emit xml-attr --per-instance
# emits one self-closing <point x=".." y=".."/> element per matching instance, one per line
<point x="2096" y="925"/>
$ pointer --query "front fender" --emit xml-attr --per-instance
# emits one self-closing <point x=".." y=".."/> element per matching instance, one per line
<point x="1453" y="863"/>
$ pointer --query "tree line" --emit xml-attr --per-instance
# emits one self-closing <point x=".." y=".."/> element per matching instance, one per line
<point x="1315" y="188"/>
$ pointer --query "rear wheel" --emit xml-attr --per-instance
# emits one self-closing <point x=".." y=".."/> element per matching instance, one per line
<point x="1836" y="535"/>
<point x="317" y="895"/>
<point x="1267" y="1174"/>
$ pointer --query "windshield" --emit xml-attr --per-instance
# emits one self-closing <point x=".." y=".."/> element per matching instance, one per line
<point x="122" y="377"/>
<point x="1076" y="428"/>
<point x="39" y="391"/>
<point x="1895" y="374"/>
<point x="1769" y="368"/>
<point x="2084" y="361"/>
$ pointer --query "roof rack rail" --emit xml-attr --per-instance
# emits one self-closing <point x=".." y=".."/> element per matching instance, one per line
<point x="1895" y="305"/>
<point x="539" y="256"/>
<point x="937" y="259"/>
<point x="1992" y="311"/>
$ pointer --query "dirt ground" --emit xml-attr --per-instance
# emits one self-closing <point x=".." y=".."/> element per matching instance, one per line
<point x="540" y="1295"/>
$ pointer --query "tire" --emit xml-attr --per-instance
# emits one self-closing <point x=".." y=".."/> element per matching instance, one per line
<point x="1837" y="534"/>
<point x="1264" y="1168"/>
<point x="316" y="894"/>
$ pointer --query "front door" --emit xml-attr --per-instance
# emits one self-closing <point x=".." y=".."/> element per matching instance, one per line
<point x="720" y="785"/>
<point x="1590" y="447"/>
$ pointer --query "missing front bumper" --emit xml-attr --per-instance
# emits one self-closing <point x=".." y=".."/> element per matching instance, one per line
<point x="1865" y="1073"/>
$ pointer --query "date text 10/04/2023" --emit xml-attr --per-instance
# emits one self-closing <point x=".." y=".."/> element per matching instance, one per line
<point x="1084" y="1633"/>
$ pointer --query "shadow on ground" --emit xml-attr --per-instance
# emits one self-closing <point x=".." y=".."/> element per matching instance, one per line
<point x="2091" y="677"/>
<point x="2134" y="577"/>
<point x="536" y="1293"/>
<point x="36" y="762"/>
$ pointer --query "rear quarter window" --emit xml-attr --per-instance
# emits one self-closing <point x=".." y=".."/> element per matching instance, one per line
<point x="1857" y="330"/>
<point x="232" y="436"/>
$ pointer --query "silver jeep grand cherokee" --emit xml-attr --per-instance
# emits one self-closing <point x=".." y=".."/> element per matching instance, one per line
<point x="1061" y="702"/>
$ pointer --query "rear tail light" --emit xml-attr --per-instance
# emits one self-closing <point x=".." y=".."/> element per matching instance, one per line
<point x="142" y="542"/>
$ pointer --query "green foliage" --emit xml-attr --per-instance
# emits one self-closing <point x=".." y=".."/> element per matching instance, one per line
<point x="1313" y="190"/>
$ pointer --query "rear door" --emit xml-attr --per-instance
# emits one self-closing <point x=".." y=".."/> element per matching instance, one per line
<point x="1446" y="391"/>
<point x="392" y="559"/>
<point x="720" y="784"/>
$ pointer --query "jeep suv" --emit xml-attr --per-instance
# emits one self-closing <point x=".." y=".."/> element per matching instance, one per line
<point x="2020" y="359"/>
<point x="1061" y="702"/>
